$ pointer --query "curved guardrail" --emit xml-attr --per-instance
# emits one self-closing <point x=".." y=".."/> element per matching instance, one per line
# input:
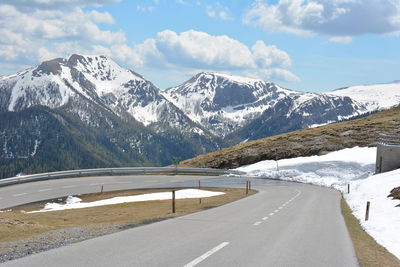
<point x="113" y="171"/>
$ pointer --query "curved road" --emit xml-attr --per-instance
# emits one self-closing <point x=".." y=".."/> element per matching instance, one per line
<point x="285" y="224"/>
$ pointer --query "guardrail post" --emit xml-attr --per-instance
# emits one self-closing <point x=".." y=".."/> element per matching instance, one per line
<point x="173" y="201"/>
<point x="367" y="211"/>
<point x="199" y="184"/>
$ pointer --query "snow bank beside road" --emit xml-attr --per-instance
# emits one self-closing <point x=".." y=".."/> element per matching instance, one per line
<point x="354" y="166"/>
<point x="335" y="169"/>
<point x="384" y="216"/>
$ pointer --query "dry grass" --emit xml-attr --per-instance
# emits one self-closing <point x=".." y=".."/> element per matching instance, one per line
<point x="369" y="253"/>
<point x="307" y="142"/>
<point x="15" y="225"/>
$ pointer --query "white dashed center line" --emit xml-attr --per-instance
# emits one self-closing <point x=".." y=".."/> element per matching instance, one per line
<point x="21" y="194"/>
<point x="69" y="186"/>
<point x="206" y="255"/>
<point x="257" y="223"/>
<point x="45" y="189"/>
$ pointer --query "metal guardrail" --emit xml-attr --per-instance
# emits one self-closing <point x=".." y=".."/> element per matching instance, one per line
<point x="112" y="171"/>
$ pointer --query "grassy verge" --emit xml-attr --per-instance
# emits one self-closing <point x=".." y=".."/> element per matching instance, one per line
<point x="16" y="226"/>
<point x="368" y="251"/>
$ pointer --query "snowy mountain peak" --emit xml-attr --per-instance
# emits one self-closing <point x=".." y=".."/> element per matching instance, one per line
<point x="374" y="97"/>
<point x="102" y="68"/>
<point x="223" y="102"/>
<point x="228" y="78"/>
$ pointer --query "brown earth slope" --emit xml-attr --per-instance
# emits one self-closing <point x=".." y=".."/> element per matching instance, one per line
<point x="307" y="142"/>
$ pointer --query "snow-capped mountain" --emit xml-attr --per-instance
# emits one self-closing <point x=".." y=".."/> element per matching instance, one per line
<point x="373" y="97"/>
<point x="87" y="111"/>
<point x="99" y="80"/>
<point x="224" y="103"/>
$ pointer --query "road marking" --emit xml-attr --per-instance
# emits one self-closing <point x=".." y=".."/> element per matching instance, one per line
<point x="18" y="195"/>
<point x="280" y="208"/>
<point x="206" y="255"/>
<point x="271" y="214"/>
<point x="123" y="182"/>
<point x="69" y="186"/>
<point x="265" y="218"/>
<point x="44" y="190"/>
<point x="276" y="211"/>
<point x="257" y="223"/>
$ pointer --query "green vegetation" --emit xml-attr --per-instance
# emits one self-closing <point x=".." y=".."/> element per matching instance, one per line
<point x="65" y="142"/>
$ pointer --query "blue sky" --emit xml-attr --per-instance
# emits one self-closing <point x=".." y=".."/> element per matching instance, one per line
<point x="306" y="45"/>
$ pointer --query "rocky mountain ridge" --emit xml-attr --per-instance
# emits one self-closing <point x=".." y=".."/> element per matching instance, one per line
<point x="115" y="117"/>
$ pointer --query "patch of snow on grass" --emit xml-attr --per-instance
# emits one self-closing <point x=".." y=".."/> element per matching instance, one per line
<point x="354" y="166"/>
<point x="75" y="202"/>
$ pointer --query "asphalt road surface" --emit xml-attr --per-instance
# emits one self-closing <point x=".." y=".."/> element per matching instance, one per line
<point x="285" y="224"/>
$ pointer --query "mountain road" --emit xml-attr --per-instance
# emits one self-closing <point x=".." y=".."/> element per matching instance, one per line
<point x="285" y="224"/>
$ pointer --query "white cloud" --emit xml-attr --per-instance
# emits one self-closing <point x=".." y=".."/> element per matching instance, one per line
<point x="31" y="34"/>
<point x="341" y="39"/>
<point x="218" y="11"/>
<point x="57" y="4"/>
<point x="101" y="17"/>
<point x="269" y="56"/>
<point x="38" y="31"/>
<point x="199" y="49"/>
<point x="277" y="74"/>
<point x="336" y="18"/>
<point x="145" y="8"/>
<point x="194" y="50"/>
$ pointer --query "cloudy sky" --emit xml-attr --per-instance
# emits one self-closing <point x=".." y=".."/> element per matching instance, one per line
<point x="307" y="45"/>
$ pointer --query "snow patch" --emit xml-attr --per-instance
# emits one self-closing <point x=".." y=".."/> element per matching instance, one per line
<point x="75" y="202"/>
<point x="373" y="97"/>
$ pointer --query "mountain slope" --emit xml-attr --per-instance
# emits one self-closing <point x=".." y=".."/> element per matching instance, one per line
<point x="243" y="108"/>
<point x="108" y="115"/>
<point x="115" y="117"/>
<point x="315" y="141"/>
<point x="374" y="97"/>
<point x="95" y="79"/>
<point x="40" y="139"/>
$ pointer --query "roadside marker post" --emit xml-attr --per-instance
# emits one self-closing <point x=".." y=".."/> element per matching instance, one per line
<point x="102" y="187"/>
<point x="199" y="184"/>
<point x="348" y="188"/>
<point x="367" y="211"/>
<point x="247" y="187"/>
<point x="173" y="201"/>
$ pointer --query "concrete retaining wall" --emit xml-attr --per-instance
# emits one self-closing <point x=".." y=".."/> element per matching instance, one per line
<point x="387" y="158"/>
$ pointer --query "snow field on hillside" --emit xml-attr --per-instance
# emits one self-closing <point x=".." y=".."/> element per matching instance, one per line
<point x="75" y="202"/>
<point x="354" y="166"/>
